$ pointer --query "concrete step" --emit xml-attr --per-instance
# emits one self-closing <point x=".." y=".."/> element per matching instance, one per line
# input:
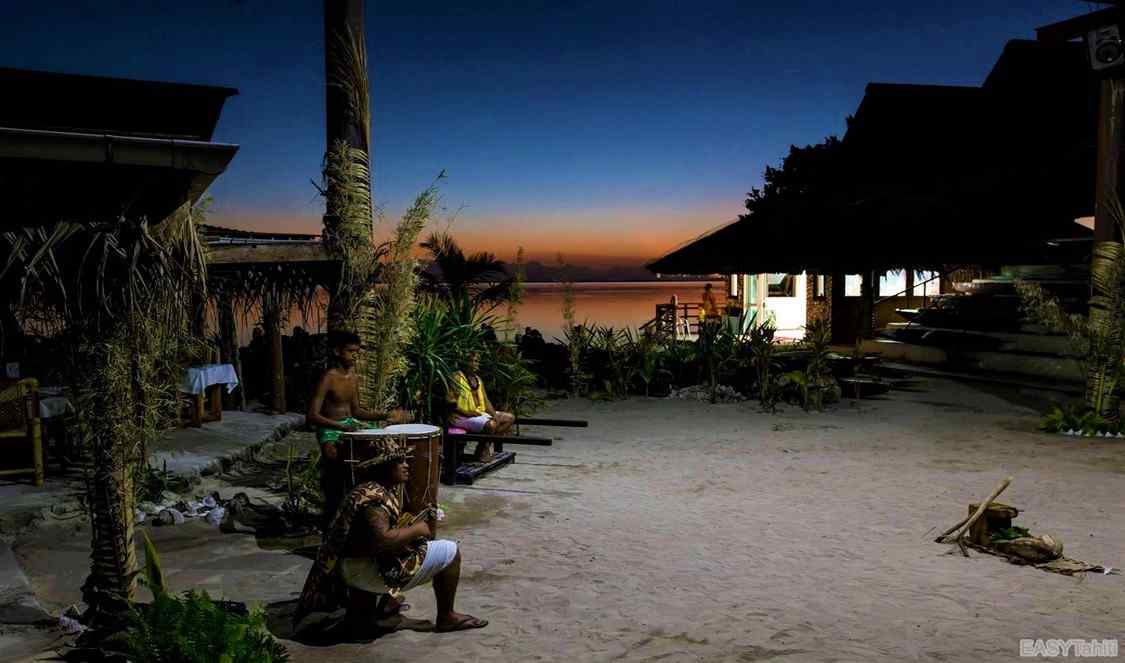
<point x="1021" y="342"/>
<point x="1048" y="368"/>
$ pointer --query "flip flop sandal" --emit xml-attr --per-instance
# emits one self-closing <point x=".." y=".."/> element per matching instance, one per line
<point x="467" y="624"/>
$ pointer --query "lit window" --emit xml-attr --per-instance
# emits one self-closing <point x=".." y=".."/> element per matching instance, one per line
<point x="734" y="279"/>
<point x="853" y="284"/>
<point x="927" y="284"/>
<point x="782" y="285"/>
<point x="820" y="287"/>
<point x="893" y="284"/>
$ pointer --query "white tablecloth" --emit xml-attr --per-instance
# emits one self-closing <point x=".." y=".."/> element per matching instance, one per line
<point x="54" y="406"/>
<point x="198" y="378"/>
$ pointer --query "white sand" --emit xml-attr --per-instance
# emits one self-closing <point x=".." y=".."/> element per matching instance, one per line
<point x="678" y="531"/>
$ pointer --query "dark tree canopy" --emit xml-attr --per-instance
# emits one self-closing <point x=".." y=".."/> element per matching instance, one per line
<point x="807" y="174"/>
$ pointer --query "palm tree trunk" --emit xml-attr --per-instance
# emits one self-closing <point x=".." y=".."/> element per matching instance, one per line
<point x="111" y="583"/>
<point x="1103" y="368"/>
<point x="348" y="212"/>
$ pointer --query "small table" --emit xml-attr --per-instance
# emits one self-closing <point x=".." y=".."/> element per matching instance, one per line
<point x="207" y="379"/>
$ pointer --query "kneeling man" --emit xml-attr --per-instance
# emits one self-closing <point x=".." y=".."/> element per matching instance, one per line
<point x="373" y="548"/>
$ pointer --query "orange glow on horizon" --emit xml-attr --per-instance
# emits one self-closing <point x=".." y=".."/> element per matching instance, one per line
<point x="586" y="237"/>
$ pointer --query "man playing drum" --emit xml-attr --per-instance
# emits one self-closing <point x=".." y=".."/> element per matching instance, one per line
<point x="335" y="409"/>
<point x="471" y="409"/>
<point x="373" y="548"/>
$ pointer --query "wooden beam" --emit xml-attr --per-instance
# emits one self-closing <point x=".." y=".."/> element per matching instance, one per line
<point x="241" y="254"/>
<point x="1078" y="26"/>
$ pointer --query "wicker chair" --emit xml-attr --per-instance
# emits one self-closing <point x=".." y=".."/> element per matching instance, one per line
<point x="19" y="422"/>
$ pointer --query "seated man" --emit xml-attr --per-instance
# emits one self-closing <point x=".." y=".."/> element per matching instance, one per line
<point x="335" y="409"/>
<point x="471" y="409"/>
<point x="372" y="549"/>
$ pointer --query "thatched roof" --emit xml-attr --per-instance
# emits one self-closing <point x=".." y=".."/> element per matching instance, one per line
<point x="86" y="148"/>
<point x="935" y="175"/>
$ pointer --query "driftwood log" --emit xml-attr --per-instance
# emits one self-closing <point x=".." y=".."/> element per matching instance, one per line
<point x="955" y="536"/>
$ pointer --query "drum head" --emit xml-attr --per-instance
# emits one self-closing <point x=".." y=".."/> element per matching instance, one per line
<point x="412" y="429"/>
<point x="366" y="432"/>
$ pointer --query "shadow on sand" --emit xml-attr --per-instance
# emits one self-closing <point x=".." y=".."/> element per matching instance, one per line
<point x="279" y="620"/>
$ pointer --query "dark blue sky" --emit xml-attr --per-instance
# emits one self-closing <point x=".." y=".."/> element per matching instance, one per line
<point x="600" y="128"/>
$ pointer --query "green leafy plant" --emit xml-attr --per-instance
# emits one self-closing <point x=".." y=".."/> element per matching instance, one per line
<point x="615" y="370"/>
<point x="818" y="379"/>
<point x="303" y="496"/>
<point x="192" y="628"/>
<point x="718" y="349"/>
<point x="761" y="348"/>
<point x="1009" y="533"/>
<point x="646" y="350"/>
<point x="511" y="383"/>
<point x="1079" y="418"/>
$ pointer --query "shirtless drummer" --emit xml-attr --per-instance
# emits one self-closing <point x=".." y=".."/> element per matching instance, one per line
<point x="335" y="409"/>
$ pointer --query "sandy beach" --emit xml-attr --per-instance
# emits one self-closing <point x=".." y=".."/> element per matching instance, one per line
<point x="680" y="531"/>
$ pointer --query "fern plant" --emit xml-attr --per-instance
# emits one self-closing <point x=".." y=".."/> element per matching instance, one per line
<point x="192" y="628"/>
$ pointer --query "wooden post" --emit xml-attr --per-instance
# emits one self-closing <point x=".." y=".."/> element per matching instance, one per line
<point x="1108" y="188"/>
<point x="271" y="313"/>
<point x="867" y="304"/>
<point x="1110" y="108"/>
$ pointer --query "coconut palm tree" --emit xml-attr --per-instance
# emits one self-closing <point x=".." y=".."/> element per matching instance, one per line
<point x="119" y="293"/>
<point x="481" y="278"/>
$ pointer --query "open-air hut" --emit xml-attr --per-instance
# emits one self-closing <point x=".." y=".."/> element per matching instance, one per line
<point x="928" y="180"/>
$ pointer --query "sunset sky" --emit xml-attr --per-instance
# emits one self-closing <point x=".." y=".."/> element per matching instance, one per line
<point x="606" y="130"/>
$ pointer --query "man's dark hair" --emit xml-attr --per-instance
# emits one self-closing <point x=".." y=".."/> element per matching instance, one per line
<point x="341" y="339"/>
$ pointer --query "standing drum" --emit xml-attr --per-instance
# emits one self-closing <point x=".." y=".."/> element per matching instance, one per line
<point x="424" y="442"/>
<point x="359" y="446"/>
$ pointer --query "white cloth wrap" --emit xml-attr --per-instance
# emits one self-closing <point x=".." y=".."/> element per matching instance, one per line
<point x="198" y="378"/>
<point x="472" y="424"/>
<point x="363" y="572"/>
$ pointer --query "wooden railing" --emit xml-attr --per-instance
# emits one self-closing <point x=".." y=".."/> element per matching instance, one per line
<point x="678" y="321"/>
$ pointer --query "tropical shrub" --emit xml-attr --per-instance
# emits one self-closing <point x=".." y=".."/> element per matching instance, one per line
<point x="192" y="628"/>
<point x="761" y="349"/>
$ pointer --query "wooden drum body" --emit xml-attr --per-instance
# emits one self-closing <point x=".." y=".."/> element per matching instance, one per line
<point x="360" y="446"/>
<point x="424" y="442"/>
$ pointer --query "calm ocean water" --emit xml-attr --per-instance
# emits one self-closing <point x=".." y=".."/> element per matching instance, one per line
<point x="615" y="304"/>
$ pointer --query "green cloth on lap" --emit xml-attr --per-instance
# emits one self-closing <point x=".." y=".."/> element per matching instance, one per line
<point x="332" y="435"/>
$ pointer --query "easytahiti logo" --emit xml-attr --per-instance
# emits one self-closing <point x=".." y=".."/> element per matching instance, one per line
<point x="1056" y="647"/>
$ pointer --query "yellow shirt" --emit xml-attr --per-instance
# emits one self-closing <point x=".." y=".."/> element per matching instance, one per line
<point x="468" y="399"/>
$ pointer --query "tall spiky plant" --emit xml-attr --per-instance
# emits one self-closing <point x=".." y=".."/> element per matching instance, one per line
<point x="388" y="325"/>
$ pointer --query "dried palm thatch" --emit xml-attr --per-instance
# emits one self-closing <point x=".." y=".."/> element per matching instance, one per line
<point x="389" y="322"/>
<point x="120" y="293"/>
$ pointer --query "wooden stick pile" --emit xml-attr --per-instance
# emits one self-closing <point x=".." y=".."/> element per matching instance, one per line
<point x="956" y="533"/>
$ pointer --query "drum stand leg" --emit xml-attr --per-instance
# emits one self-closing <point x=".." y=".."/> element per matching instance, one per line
<point x="450" y="459"/>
